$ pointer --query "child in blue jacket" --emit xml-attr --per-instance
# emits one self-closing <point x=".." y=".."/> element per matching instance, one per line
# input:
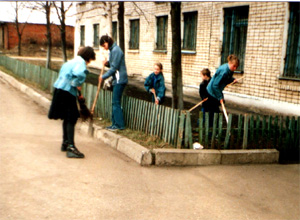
<point x="155" y="84"/>
<point x="64" y="105"/>
<point x="222" y="77"/>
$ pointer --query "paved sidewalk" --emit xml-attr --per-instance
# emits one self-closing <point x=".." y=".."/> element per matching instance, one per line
<point x="39" y="182"/>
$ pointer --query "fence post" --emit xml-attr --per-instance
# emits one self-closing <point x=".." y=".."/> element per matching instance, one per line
<point x="292" y="127"/>
<point x="167" y="116"/>
<point x="257" y="129"/>
<point x="206" y="129"/>
<point x="275" y="131"/>
<point x="175" y="126"/>
<point x="213" y="141"/>
<point x="188" y="139"/>
<point x="245" y="137"/>
<point x="288" y="133"/>
<point x="180" y="129"/>
<point x="201" y="127"/>
<point x="169" y="128"/>
<point x="298" y="133"/>
<point x="251" y="128"/>
<point x="220" y="130"/>
<point x="280" y="132"/>
<point x="228" y="131"/>
<point x="239" y="133"/>
<point x="269" y="130"/>
<point x="161" y="121"/>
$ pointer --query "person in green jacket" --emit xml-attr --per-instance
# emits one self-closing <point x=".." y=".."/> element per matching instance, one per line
<point x="155" y="84"/>
<point x="222" y="77"/>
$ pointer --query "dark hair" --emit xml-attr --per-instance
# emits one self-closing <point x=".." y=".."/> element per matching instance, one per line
<point x="159" y="65"/>
<point x="87" y="53"/>
<point x="233" y="58"/>
<point x="106" y="39"/>
<point x="206" y="72"/>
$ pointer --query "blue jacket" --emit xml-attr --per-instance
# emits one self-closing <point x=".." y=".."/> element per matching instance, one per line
<point x="71" y="75"/>
<point x="159" y="86"/>
<point x="220" y="79"/>
<point x="117" y="66"/>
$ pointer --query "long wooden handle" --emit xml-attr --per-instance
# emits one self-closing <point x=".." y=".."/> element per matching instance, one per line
<point x="233" y="82"/>
<point x="98" y="90"/>
<point x="225" y="112"/>
<point x="154" y="93"/>
<point x="195" y="106"/>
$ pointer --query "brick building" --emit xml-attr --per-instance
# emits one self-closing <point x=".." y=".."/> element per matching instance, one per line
<point x="265" y="36"/>
<point x="32" y="34"/>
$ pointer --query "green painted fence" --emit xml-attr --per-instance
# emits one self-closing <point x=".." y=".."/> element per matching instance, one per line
<point x="248" y="132"/>
<point x="175" y="127"/>
<point x="160" y="121"/>
<point x="140" y="115"/>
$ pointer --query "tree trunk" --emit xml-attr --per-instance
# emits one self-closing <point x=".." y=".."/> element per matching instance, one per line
<point x="19" y="44"/>
<point x="109" y="11"/>
<point x="121" y="26"/>
<point x="18" y="29"/>
<point x="63" y="33"/>
<point x="177" y="90"/>
<point x="49" y="43"/>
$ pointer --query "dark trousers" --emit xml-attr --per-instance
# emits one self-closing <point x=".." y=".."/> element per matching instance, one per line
<point x="68" y="132"/>
<point x="117" y="113"/>
<point x="211" y="106"/>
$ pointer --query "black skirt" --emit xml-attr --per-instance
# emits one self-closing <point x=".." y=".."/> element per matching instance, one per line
<point x="63" y="106"/>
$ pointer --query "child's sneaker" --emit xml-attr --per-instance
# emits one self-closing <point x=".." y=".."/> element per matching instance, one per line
<point x="73" y="152"/>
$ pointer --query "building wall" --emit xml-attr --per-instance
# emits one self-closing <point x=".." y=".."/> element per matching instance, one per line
<point x="265" y="48"/>
<point x="36" y="34"/>
<point x="88" y="14"/>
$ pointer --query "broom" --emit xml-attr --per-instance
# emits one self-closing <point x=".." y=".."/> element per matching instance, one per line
<point x="91" y="129"/>
<point x="195" y="106"/>
<point x="84" y="111"/>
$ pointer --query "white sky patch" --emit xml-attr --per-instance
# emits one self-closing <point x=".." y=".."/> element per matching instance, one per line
<point x="8" y="14"/>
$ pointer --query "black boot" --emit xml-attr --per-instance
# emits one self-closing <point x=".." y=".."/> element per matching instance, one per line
<point x="73" y="152"/>
<point x="64" y="146"/>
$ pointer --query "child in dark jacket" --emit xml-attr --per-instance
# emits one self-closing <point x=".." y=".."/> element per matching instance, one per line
<point x="210" y="105"/>
<point x="155" y="84"/>
<point x="205" y="75"/>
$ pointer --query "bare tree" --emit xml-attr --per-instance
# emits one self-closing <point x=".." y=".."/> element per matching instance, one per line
<point x="61" y="13"/>
<point x="177" y="90"/>
<point x="45" y="7"/>
<point x="121" y="25"/>
<point x="19" y="27"/>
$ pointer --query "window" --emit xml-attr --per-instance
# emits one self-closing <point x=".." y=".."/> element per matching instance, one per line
<point x="96" y="35"/>
<point x="162" y="32"/>
<point x="134" y="34"/>
<point x="292" y="59"/>
<point x="235" y="34"/>
<point x="190" y="30"/>
<point x="82" y="35"/>
<point x="115" y="31"/>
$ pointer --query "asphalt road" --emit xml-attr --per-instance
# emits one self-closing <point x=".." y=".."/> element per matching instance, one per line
<point x="39" y="182"/>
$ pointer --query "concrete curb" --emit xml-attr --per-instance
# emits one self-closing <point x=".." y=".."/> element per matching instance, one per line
<point x="160" y="157"/>
<point x="136" y="152"/>
<point x="38" y="98"/>
<point x="177" y="157"/>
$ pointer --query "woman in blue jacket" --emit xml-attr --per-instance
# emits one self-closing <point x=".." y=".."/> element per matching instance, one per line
<point x="119" y="74"/>
<point x="64" y="104"/>
<point x="155" y="84"/>
<point x="222" y="77"/>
